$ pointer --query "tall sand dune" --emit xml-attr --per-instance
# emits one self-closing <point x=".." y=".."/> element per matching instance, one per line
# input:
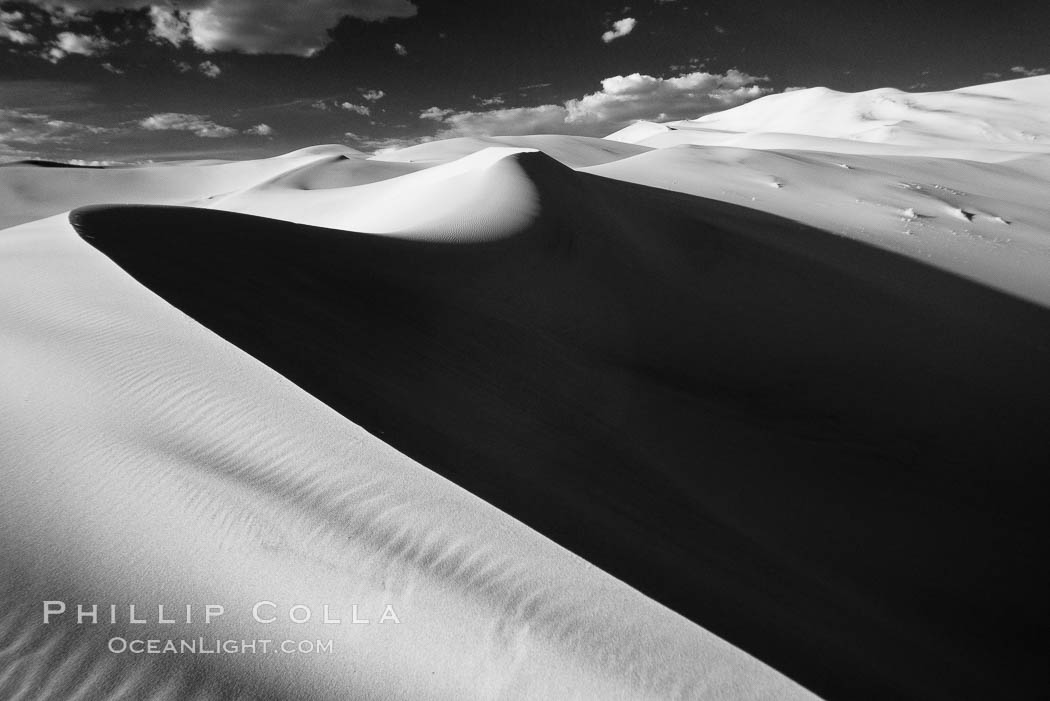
<point x="145" y="461"/>
<point x="827" y="453"/>
<point x="987" y="123"/>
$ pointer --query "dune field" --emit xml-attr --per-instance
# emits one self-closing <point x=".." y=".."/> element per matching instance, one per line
<point x="750" y="406"/>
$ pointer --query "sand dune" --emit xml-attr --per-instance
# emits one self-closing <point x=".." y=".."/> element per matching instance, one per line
<point x="574" y="406"/>
<point x="982" y="123"/>
<point x="147" y="461"/>
<point x="690" y="395"/>
<point x="35" y="191"/>
<point x="987" y="222"/>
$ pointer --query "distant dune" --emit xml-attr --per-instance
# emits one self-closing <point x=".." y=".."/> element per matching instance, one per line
<point x="737" y="407"/>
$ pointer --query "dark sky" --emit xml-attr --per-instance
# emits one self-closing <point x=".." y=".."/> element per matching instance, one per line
<point x="117" y="79"/>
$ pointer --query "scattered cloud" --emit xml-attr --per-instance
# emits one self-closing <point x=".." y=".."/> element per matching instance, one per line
<point x="67" y="43"/>
<point x="1028" y="72"/>
<point x="400" y="50"/>
<point x="168" y="25"/>
<point x="209" y="69"/>
<point x="435" y="113"/>
<point x="296" y="27"/>
<point x="489" y="101"/>
<point x="113" y="69"/>
<point x="372" y="95"/>
<point x="382" y="145"/>
<point x="23" y="133"/>
<point x="9" y="30"/>
<point x="506" y="121"/>
<point x="261" y="130"/>
<point x="620" y="28"/>
<point x="195" y="123"/>
<point x="632" y="97"/>
<point x="622" y="100"/>
<point x="362" y="110"/>
<point x="206" y="68"/>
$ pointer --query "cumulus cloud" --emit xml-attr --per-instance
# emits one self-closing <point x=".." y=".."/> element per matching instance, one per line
<point x="435" y="113"/>
<point x="206" y="68"/>
<point x="1028" y="72"/>
<point x="400" y="50"/>
<point x="636" y="96"/>
<point x="168" y="25"/>
<point x="194" y="123"/>
<point x="261" y="130"/>
<point x="67" y="43"/>
<point x="382" y="145"/>
<point x="620" y="28"/>
<point x="9" y="30"/>
<point x="296" y="27"/>
<point x="508" y="121"/>
<point x="373" y="95"/>
<point x="23" y="133"/>
<point x="362" y="110"/>
<point x="622" y="100"/>
<point x="209" y="69"/>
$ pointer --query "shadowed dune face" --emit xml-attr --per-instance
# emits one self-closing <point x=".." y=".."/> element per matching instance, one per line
<point x="828" y="454"/>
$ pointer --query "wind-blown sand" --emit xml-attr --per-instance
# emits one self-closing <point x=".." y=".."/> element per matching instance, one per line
<point x="796" y="396"/>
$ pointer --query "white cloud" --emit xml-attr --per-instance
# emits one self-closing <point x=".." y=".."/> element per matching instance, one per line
<point x="206" y="68"/>
<point x="362" y="110"/>
<point x="622" y="100"/>
<point x="629" y="98"/>
<point x="209" y="69"/>
<point x="296" y="27"/>
<point x="382" y="145"/>
<point x="113" y="69"/>
<point x="261" y="130"/>
<point x="67" y="43"/>
<point x="373" y="95"/>
<point x="507" y="121"/>
<point x="168" y="25"/>
<point x="620" y="28"/>
<point x="435" y="113"/>
<point x="8" y="32"/>
<point x="1028" y="72"/>
<point x="400" y="50"/>
<point x="24" y="132"/>
<point x="195" y="123"/>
